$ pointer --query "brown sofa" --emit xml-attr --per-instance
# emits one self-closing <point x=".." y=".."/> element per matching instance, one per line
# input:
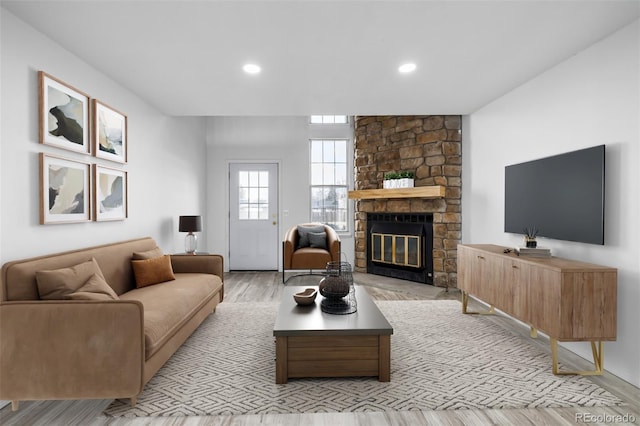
<point x="99" y="349"/>
<point x="299" y="255"/>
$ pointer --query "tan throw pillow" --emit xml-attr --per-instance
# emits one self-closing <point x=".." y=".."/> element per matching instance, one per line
<point x="58" y="284"/>
<point x="152" y="271"/>
<point x="96" y="288"/>
<point x="149" y="254"/>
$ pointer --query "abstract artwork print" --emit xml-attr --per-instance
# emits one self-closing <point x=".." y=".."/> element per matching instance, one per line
<point x="110" y="193"/>
<point x="110" y="133"/>
<point x="64" y="190"/>
<point x="64" y="115"/>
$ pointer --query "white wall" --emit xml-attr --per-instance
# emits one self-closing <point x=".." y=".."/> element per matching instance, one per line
<point x="590" y="99"/>
<point x="281" y="139"/>
<point x="166" y="165"/>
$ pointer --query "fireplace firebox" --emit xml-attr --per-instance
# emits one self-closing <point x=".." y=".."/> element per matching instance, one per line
<point x="400" y="245"/>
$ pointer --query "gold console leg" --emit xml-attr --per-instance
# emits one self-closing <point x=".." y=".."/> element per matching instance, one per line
<point x="533" y="333"/>
<point x="465" y="303"/>
<point x="598" y="360"/>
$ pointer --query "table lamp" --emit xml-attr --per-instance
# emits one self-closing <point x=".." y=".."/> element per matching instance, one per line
<point x="190" y="224"/>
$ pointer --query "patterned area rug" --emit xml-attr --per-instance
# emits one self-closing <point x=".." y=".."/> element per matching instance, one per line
<point x="440" y="360"/>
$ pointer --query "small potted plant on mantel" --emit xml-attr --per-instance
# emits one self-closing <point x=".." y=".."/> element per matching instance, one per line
<point x="398" y="180"/>
<point x="390" y="180"/>
<point x="530" y="234"/>
<point x="406" y="179"/>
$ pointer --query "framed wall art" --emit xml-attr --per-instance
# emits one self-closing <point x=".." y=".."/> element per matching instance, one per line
<point x="110" y="195"/>
<point x="109" y="133"/>
<point x="63" y="115"/>
<point x="65" y="190"/>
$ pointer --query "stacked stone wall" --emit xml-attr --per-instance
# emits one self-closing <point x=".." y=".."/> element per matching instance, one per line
<point x="429" y="146"/>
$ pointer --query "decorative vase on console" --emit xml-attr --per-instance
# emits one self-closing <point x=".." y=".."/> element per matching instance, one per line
<point x="530" y="234"/>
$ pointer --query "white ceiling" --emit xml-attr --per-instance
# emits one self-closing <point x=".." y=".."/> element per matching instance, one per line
<point x="323" y="57"/>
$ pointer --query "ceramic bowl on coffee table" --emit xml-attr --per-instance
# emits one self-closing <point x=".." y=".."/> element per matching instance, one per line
<point x="306" y="297"/>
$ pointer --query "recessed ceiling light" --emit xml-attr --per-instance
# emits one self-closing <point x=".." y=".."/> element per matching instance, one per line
<point x="251" y="68"/>
<point x="407" y="68"/>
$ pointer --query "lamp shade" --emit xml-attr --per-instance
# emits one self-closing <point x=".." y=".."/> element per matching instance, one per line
<point x="190" y="224"/>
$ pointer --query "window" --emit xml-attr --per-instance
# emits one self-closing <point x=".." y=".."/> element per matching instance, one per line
<point x="329" y="119"/>
<point x="254" y="195"/>
<point x="329" y="184"/>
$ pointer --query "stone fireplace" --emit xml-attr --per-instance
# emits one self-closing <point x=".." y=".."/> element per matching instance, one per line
<point x="429" y="146"/>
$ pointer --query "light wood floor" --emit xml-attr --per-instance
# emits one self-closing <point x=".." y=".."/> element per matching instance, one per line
<point x="266" y="286"/>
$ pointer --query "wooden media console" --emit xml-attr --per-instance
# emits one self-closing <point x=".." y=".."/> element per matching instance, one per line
<point x="565" y="299"/>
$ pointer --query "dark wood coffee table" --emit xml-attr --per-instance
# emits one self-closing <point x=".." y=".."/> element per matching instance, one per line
<point x="312" y="343"/>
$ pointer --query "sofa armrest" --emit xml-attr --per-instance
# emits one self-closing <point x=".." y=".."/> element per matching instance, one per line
<point x="71" y="349"/>
<point x="202" y="263"/>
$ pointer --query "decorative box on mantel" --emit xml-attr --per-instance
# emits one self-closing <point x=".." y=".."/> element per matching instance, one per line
<point x="433" y="191"/>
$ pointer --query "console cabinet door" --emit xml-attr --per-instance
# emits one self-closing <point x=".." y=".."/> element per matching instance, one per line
<point x="478" y="274"/>
<point x="485" y="280"/>
<point x="545" y="295"/>
<point x="513" y="288"/>
<point x="588" y="308"/>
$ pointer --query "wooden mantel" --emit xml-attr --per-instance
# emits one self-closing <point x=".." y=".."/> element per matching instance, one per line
<point x="434" y="191"/>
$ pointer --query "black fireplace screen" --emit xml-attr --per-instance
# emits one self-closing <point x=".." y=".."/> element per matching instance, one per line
<point x="403" y="250"/>
<point x="400" y="245"/>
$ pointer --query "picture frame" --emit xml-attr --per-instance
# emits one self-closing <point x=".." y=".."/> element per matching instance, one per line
<point x="63" y="115"/>
<point x="109" y="133"/>
<point x="110" y="193"/>
<point x="65" y="190"/>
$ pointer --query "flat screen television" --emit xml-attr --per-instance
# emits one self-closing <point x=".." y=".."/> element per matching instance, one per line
<point x="561" y="196"/>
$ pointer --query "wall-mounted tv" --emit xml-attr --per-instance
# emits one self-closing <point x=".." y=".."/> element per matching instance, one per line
<point x="561" y="196"/>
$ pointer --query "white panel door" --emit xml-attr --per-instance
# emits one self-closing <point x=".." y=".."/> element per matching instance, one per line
<point x="253" y="221"/>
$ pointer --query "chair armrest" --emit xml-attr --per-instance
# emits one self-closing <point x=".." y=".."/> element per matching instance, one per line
<point x="202" y="263"/>
<point x="289" y="246"/>
<point x="71" y="349"/>
<point x="333" y="243"/>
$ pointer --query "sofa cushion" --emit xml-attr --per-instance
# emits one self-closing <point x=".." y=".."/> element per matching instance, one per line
<point x="96" y="288"/>
<point x="152" y="271"/>
<point x="167" y="306"/>
<point x="149" y="254"/>
<point x="303" y="234"/>
<point x="58" y="284"/>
